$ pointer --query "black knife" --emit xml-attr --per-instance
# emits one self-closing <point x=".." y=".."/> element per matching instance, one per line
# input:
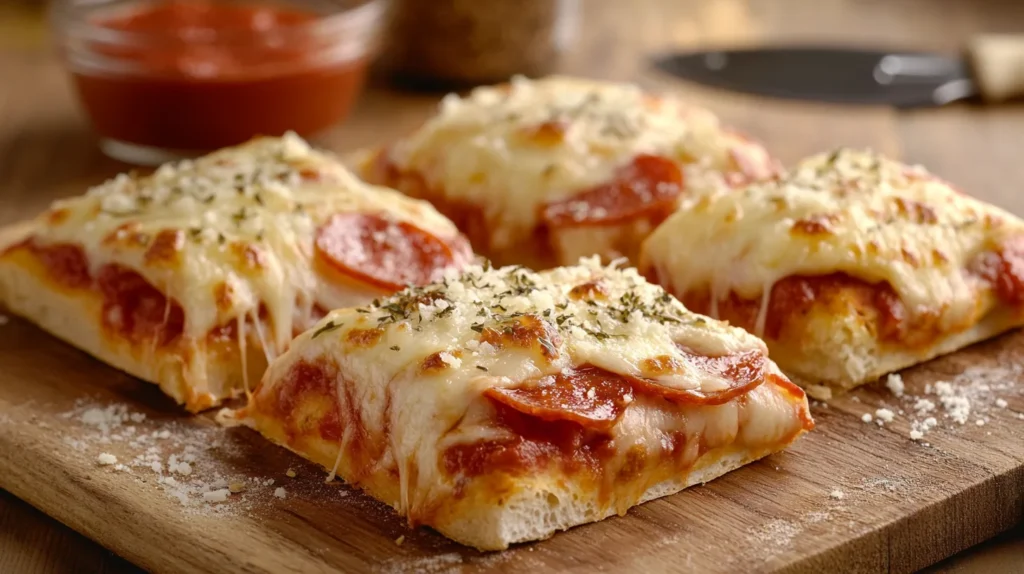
<point x="992" y="68"/>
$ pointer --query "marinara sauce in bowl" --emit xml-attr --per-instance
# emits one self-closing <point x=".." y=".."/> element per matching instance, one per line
<point x="164" y="79"/>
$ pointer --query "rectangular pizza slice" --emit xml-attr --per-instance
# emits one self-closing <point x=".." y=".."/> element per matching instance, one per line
<point x="503" y="405"/>
<point x="850" y="267"/>
<point x="194" y="276"/>
<point x="543" y="172"/>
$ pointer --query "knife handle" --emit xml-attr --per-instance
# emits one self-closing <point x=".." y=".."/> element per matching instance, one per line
<point x="998" y="63"/>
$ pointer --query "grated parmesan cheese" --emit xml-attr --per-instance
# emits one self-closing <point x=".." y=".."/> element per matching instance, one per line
<point x="220" y="495"/>
<point x="106" y="459"/>
<point x="895" y="384"/>
<point x="279" y="492"/>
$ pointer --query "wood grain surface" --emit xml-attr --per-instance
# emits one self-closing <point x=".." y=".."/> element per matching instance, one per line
<point x="906" y="506"/>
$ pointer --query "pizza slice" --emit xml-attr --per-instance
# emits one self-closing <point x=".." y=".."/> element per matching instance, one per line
<point x="193" y="277"/>
<point x="850" y="267"/>
<point x="503" y="405"/>
<point x="543" y="172"/>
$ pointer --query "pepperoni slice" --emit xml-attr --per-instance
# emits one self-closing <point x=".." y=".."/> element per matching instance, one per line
<point x="743" y="371"/>
<point x="647" y="186"/>
<point x="384" y="253"/>
<point x="590" y="396"/>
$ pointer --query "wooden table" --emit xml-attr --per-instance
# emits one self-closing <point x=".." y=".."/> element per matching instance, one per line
<point x="47" y="151"/>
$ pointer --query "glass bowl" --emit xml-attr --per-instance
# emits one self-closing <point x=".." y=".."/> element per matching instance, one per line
<point x="165" y="79"/>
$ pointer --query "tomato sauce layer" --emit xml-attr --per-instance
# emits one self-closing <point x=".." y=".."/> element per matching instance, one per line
<point x="132" y="308"/>
<point x="793" y="297"/>
<point x="1003" y="268"/>
<point x="306" y="402"/>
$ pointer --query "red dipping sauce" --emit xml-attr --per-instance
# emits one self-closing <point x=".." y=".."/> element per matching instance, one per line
<point x="163" y="79"/>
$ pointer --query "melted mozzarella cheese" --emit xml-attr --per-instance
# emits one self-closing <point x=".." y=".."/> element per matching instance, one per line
<point x="243" y="221"/>
<point x="385" y="353"/>
<point x="850" y="211"/>
<point x="478" y="148"/>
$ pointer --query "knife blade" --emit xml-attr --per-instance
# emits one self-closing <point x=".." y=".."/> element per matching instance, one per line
<point x="993" y="68"/>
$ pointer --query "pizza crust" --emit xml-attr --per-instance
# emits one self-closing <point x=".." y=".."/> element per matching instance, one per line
<point x="74" y="316"/>
<point x="545" y="505"/>
<point x="532" y="508"/>
<point x="832" y="347"/>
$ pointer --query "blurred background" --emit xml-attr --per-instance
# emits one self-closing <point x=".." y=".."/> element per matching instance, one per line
<point x="88" y="87"/>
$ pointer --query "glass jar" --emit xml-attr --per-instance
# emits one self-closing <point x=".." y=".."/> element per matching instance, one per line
<point x="165" y="79"/>
<point x="467" y="42"/>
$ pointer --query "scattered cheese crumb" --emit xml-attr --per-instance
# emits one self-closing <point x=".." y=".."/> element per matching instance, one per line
<point x="980" y="422"/>
<point x="279" y="492"/>
<point x="182" y="468"/>
<point x="884" y="415"/>
<point x="400" y="540"/>
<point x="290" y="473"/>
<point x="220" y="495"/>
<point x="895" y="384"/>
<point x="106" y="459"/>
<point x="916" y="434"/>
<point x="866" y="418"/>
<point x="924" y="406"/>
<point x="837" y="494"/>
<point x="236" y="487"/>
<point x="450" y="360"/>
<point x="1001" y="403"/>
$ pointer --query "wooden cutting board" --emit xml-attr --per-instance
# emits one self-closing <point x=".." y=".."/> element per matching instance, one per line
<point x="851" y="495"/>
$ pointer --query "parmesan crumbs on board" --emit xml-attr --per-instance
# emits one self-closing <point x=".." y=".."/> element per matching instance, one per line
<point x="184" y="459"/>
<point x="895" y="383"/>
<point x="969" y="395"/>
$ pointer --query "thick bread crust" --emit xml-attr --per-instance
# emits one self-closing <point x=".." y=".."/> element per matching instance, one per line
<point x="541" y="506"/>
<point x="838" y="352"/>
<point x="75" y="316"/>
<point x="533" y="508"/>
<point x="832" y="344"/>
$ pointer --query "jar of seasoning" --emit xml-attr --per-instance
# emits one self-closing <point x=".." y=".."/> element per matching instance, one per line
<point x="165" y="79"/>
<point x="468" y="42"/>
